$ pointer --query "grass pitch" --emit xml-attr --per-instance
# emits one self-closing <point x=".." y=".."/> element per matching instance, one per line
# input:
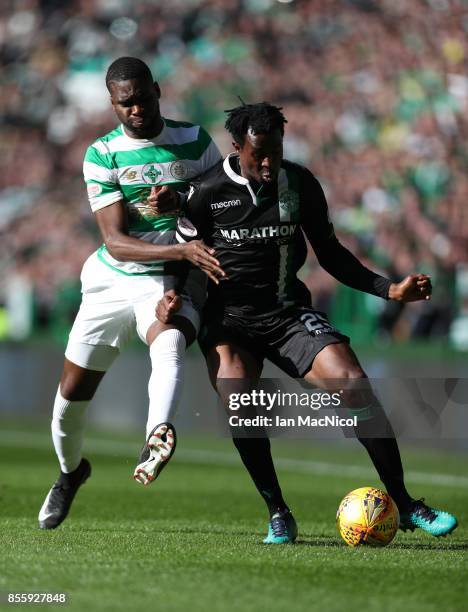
<point x="192" y="541"/>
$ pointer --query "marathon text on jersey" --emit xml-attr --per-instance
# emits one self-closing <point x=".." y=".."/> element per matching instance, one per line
<point x="268" y="231"/>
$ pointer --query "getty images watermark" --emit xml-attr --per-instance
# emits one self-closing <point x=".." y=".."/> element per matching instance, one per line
<point x="405" y="408"/>
<point x="279" y="400"/>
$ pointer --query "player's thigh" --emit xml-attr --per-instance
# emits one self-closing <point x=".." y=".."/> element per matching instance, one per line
<point x="296" y="336"/>
<point x="146" y="295"/>
<point x="336" y="368"/>
<point x="105" y="316"/>
<point x="335" y="361"/>
<point x="178" y="322"/>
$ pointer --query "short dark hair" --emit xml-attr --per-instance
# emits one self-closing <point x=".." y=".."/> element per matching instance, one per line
<point x="126" y="68"/>
<point x="261" y="118"/>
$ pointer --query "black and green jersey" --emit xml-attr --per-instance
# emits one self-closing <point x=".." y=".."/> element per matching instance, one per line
<point x="117" y="167"/>
<point x="258" y="233"/>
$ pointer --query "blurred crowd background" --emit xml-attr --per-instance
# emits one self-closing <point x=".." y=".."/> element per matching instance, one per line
<point x="376" y="97"/>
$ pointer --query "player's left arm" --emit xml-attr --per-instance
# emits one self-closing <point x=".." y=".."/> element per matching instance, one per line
<point x="338" y="261"/>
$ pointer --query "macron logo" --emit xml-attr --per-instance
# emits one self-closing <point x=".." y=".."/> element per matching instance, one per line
<point x="227" y="204"/>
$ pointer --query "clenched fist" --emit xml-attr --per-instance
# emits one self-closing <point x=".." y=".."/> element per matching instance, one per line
<point x="163" y="199"/>
<point x="413" y="288"/>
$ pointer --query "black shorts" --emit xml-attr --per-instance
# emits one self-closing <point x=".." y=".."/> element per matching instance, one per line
<point x="290" y="338"/>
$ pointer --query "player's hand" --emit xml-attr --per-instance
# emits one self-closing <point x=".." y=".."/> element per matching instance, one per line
<point x="163" y="199"/>
<point x="168" y="305"/>
<point x="201" y="255"/>
<point x="413" y="288"/>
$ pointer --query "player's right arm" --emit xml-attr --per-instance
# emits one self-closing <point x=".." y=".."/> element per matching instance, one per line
<point x="113" y="225"/>
<point x="106" y="200"/>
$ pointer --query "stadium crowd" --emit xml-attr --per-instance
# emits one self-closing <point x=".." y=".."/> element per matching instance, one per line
<point x="376" y="97"/>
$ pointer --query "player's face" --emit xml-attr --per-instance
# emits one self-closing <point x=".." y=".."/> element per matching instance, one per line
<point x="136" y="104"/>
<point x="261" y="156"/>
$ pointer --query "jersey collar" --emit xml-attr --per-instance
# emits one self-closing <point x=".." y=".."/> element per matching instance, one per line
<point x="237" y="178"/>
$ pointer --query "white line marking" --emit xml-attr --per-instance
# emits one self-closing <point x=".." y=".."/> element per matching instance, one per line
<point x="117" y="448"/>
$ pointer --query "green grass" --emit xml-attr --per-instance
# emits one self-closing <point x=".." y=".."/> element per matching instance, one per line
<point x="192" y="541"/>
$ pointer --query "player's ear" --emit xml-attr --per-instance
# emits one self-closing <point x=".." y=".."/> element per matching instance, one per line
<point x="110" y="89"/>
<point x="236" y="146"/>
<point x="157" y="89"/>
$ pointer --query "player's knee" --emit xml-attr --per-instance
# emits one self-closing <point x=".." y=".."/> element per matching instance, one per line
<point x="230" y="384"/>
<point x="226" y="368"/>
<point x="71" y="391"/>
<point x="355" y="386"/>
<point x="350" y="373"/>
<point x="79" y="386"/>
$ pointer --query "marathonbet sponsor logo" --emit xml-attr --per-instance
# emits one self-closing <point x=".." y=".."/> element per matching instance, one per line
<point x="226" y="204"/>
<point x="268" y="231"/>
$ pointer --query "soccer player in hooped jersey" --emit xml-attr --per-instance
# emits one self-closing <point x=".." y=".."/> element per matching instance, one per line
<point x="124" y="278"/>
<point x="253" y="208"/>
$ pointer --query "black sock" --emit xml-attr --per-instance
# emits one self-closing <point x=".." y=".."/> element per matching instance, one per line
<point x="386" y="458"/>
<point x="256" y="456"/>
<point x="377" y="436"/>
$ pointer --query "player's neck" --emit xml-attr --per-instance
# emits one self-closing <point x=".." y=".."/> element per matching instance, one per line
<point x="149" y="133"/>
<point x="255" y="185"/>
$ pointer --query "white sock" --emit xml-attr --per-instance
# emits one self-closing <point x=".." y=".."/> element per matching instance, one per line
<point x="167" y="354"/>
<point x="68" y="423"/>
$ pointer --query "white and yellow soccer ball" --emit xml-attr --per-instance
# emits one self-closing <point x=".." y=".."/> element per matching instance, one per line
<point x="367" y="516"/>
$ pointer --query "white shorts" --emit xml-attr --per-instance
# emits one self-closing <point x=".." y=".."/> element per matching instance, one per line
<point x="114" y="306"/>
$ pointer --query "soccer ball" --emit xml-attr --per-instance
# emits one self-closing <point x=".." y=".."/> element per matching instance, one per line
<point x="367" y="516"/>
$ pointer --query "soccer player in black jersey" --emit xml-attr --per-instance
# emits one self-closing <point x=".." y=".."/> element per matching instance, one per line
<point x="254" y="209"/>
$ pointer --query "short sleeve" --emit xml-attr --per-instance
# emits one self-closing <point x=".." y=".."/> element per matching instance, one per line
<point x="209" y="152"/>
<point x="100" y="178"/>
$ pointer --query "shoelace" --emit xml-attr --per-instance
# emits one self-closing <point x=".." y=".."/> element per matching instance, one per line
<point x="56" y="497"/>
<point x="62" y="486"/>
<point x="278" y="526"/>
<point x="424" y="511"/>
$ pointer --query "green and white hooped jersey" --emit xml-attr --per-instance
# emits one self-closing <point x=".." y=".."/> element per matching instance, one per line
<point x="117" y="167"/>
